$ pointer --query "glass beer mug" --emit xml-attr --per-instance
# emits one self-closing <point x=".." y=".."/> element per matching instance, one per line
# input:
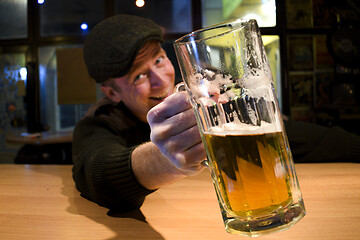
<point x="227" y="76"/>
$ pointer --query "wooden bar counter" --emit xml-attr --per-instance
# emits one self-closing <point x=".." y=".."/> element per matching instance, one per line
<point x="40" y="202"/>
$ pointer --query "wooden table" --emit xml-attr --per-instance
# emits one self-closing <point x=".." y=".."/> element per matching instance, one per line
<point x="40" y="202"/>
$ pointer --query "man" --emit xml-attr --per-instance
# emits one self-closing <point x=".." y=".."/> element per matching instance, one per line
<point x="141" y="135"/>
<point x="115" y="163"/>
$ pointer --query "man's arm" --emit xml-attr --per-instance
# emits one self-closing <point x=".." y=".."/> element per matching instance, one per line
<point x="175" y="150"/>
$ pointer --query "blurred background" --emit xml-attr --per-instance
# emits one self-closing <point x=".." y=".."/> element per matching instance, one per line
<point x="312" y="46"/>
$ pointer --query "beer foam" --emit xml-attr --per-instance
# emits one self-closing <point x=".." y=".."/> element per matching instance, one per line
<point x="257" y="81"/>
<point x="258" y="86"/>
<point x="201" y="86"/>
<point x="244" y="129"/>
<point x="211" y="85"/>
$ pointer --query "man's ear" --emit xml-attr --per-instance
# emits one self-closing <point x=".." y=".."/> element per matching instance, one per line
<point x="111" y="93"/>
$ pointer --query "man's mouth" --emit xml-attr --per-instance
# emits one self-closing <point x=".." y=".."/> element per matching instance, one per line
<point x="157" y="98"/>
<point x="160" y="97"/>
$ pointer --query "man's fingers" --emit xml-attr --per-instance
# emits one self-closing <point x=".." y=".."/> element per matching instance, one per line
<point x="185" y="140"/>
<point x="172" y="105"/>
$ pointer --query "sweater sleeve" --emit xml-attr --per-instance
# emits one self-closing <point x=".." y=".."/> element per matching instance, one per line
<point x="102" y="167"/>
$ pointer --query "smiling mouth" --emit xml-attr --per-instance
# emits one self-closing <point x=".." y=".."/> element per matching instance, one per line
<point x="160" y="97"/>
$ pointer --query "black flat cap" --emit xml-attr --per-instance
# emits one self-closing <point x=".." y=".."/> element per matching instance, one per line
<point x="112" y="45"/>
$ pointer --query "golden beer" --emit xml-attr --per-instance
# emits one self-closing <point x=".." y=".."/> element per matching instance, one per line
<point x="250" y="176"/>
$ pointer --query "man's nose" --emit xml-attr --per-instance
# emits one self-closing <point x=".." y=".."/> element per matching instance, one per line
<point x="157" y="78"/>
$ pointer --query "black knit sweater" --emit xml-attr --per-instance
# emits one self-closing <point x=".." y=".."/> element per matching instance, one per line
<point x="102" y="146"/>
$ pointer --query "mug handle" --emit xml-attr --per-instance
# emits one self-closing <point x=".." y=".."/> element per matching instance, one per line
<point x="180" y="87"/>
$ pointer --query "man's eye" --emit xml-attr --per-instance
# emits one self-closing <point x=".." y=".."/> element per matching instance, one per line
<point x="159" y="60"/>
<point x="139" y="77"/>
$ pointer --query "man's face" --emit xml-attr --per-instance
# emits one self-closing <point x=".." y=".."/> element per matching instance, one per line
<point x="148" y="83"/>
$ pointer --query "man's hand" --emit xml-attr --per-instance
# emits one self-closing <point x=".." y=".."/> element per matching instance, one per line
<point x="175" y="132"/>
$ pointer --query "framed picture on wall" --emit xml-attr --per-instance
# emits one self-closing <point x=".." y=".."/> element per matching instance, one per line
<point x="323" y="86"/>
<point x="301" y="89"/>
<point x="322" y="14"/>
<point x="298" y="14"/>
<point x="327" y="14"/>
<point x="300" y="53"/>
<point x="323" y="59"/>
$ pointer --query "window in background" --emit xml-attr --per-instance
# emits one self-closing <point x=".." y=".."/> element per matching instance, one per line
<point x="13" y="76"/>
<point x="173" y="15"/>
<point x="56" y="116"/>
<point x="217" y="11"/>
<point x="70" y="17"/>
<point x="272" y="48"/>
<point x="13" y="19"/>
<point x="264" y="11"/>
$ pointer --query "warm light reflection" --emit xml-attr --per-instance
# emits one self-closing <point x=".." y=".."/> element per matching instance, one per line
<point x="140" y="3"/>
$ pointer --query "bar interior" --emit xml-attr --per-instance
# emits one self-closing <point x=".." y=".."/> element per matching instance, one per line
<point x="313" y="49"/>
